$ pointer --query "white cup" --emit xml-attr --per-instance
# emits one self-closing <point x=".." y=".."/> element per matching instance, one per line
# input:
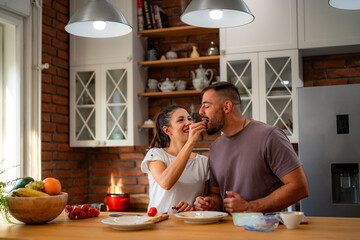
<point x="152" y="83"/>
<point x="291" y="219"/>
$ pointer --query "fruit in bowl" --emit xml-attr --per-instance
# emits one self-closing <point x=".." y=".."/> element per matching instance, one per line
<point x="82" y="211"/>
<point x="36" y="202"/>
<point x="36" y="210"/>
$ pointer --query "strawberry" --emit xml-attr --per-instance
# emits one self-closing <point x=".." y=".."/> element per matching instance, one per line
<point x="71" y="215"/>
<point x="92" y="210"/>
<point x="68" y="208"/>
<point x="77" y="210"/>
<point x="88" y="214"/>
<point x="81" y="215"/>
<point x="96" y="213"/>
<point x="85" y="207"/>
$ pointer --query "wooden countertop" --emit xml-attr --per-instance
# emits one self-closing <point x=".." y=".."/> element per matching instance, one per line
<point x="174" y="228"/>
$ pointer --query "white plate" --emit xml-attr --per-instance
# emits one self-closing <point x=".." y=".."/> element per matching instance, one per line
<point x="128" y="222"/>
<point x="201" y="217"/>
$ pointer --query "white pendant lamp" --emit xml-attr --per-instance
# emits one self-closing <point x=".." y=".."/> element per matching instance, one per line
<point x="345" y="4"/>
<point x="98" y="19"/>
<point x="217" y="13"/>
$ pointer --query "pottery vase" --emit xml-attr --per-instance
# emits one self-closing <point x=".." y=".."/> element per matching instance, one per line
<point x="194" y="53"/>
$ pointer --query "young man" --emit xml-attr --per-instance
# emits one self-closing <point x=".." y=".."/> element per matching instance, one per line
<point x="253" y="166"/>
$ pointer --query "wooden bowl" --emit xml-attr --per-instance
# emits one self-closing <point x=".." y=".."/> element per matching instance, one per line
<point x="37" y="210"/>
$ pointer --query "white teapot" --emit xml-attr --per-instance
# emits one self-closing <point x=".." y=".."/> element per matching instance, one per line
<point x="167" y="86"/>
<point x="201" y="75"/>
<point x="198" y="83"/>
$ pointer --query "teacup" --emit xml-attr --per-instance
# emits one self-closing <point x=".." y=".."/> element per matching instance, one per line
<point x="291" y="219"/>
<point x="152" y="83"/>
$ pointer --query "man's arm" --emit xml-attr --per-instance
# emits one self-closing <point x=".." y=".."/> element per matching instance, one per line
<point x="295" y="188"/>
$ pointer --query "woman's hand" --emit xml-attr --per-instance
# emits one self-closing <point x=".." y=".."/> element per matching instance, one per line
<point x="183" y="207"/>
<point x="195" y="129"/>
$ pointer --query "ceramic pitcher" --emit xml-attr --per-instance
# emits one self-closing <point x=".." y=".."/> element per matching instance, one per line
<point x="202" y="73"/>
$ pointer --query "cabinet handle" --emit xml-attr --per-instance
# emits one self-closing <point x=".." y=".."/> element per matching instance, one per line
<point x="97" y="142"/>
<point x="104" y="143"/>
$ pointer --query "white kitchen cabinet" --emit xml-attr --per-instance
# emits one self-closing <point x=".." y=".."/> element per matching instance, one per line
<point x="267" y="83"/>
<point x="100" y="110"/>
<point x="274" y="28"/>
<point x="104" y="82"/>
<point x="21" y="7"/>
<point x="320" y="25"/>
<point x="243" y="71"/>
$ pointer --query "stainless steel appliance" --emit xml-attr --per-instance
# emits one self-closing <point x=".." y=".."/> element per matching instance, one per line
<point x="329" y="148"/>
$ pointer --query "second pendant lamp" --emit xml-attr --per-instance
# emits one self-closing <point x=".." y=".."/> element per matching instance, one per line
<point x="217" y="13"/>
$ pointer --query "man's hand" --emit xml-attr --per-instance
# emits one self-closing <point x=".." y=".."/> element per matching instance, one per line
<point x="204" y="204"/>
<point x="235" y="203"/>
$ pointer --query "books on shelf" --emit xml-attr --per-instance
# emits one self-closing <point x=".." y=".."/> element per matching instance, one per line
<point x="157" y="16"/>
<point x="140" y="15"/>
<point x="151" y="8"/>
<point x="163" y="18"/>
<point x="147" y="15"/>
<point x="153" y="16"/>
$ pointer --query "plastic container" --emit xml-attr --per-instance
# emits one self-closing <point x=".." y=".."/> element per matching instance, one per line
<point x="256" y="221"/>
<point x="87" y="210"/>
<point x="246" y="218"/>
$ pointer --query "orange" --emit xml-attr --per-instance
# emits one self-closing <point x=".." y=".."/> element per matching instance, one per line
<point x="52" y="186"/>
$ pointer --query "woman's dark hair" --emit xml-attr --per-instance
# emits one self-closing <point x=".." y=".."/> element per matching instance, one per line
<point x="161" y="139"/>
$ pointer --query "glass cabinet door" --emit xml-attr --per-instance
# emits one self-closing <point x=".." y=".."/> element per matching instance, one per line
<point x="278" y="93"/>
<point x="279" y="74"/>
<point x="99" y="107"/>
<point x="116" y="104"/>
<point x="85" y="100"/>
<point x="241" y="70"/>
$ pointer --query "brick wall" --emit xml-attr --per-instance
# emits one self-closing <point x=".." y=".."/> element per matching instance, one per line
<point x="85" y="173"/>
<point x="69" y="165"/>
<point x="331" y="69"/>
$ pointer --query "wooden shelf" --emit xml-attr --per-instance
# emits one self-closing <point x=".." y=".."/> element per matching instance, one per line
<point x="177" y="31"/>
<point x="146" y="126"/>
<point x="180" y="61"/>
<point x="171" y="94"/>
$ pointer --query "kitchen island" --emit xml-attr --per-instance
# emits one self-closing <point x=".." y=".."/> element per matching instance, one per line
<point x="174" y="228"/>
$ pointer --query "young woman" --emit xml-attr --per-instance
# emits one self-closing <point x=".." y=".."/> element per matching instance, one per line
<point x="176" y="174"/>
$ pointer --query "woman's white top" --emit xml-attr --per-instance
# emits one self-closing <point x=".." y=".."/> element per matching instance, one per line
<point x="187" y="188"/>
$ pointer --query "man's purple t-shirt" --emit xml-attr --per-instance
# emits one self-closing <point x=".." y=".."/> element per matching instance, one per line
<point x="252" y="161"/>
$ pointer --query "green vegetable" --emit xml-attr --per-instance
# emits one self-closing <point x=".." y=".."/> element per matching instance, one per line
<point x="22" y="183"/>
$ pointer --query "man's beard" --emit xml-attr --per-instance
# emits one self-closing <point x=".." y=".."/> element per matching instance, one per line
<point x="216" y="124"/>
